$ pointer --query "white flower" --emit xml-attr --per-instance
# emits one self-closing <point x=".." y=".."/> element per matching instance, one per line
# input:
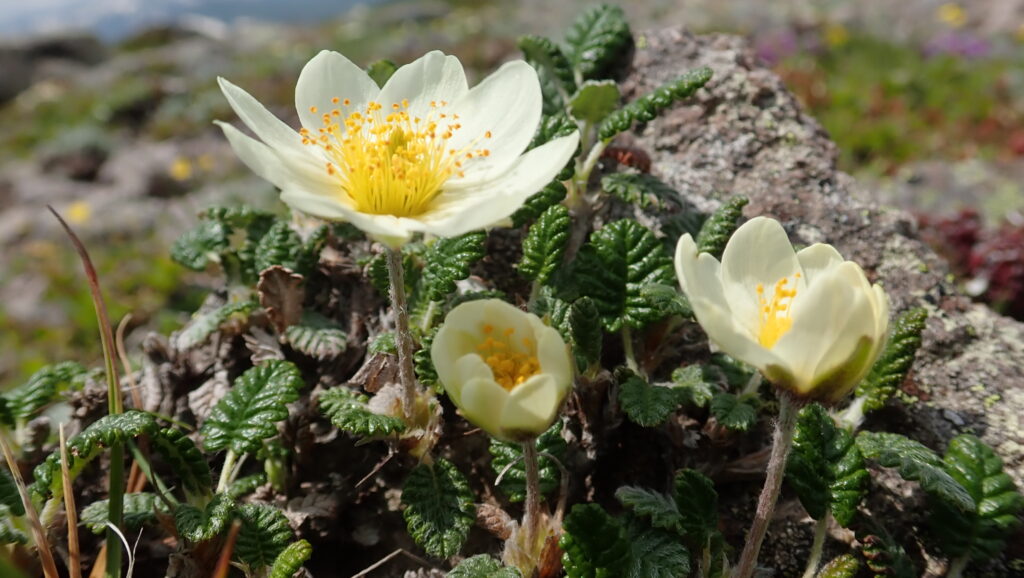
<point x="504" y="369"/>
<point x="809" y="320"/>
<point x="422" y="154"/>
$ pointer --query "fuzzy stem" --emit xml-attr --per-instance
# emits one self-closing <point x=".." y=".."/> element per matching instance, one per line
<point x="820" y="531"/>
<point x="531" y="514"/>
<point x="396" y="274"/>
<point x="627" y="350"/>
<point x="957" y="567"/>
<point x="225" y="471"/>
<point x="781" y="444"/>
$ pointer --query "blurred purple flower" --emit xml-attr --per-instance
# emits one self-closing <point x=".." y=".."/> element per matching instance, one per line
<point x="775" y="45"/>
<point x="958" y="43"/>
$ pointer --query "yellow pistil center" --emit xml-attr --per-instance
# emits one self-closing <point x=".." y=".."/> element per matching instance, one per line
<point x="776" y="314"/>
<point x="510" y="366"/>
<point x="391" y="162"/>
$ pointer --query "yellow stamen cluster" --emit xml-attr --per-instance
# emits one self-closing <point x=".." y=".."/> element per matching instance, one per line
<point x="776" y="314"/>
<point x="391" y="162"/>
<point x="510" y="366"/>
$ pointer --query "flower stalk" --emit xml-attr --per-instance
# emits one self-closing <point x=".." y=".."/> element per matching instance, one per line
<point x="403" y="340"/>
<point x="820" y="530"/>
<point x="532" y="512"/>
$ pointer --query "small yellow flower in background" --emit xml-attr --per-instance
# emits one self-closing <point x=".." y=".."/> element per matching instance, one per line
<point x="206" y="162"/>
<point x="425" y="153"/>
<point x="503" y="368"/>
<point x="181" y="169"/>
<point x="78" y="212"/>
<point x="952" y="15"/>
<point x="809" y="320"/>
<point x="836" y="35"/>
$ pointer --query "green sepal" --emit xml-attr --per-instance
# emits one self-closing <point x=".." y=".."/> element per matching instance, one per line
<point x="548" y="58"/>
<point x="825" y="467"/>
<point x="449" y="260"/>
<point x="483" y="566"/>
<point x="202" y="326"/>
<point x="139" y="509"/>
<point x="736" y="412"/>
<point x="655" y="553"/>
<point x="692" y="386"/>
<point x="640" y="189"/>
<point x="645" y="404"/>
<point x="381" y="70"/>
<point x="598" y="40"/>
<point x="291" y="559"/>
<point x="892" y="366"/>
<point x="42" y="388"/>
<point x="249" y="413"/>
<point x="716" y="230"/>
<point x="545" y="244"/>
<point x="200" y="524"/>
<point x="439" y="508"/>
<point x="513" y="483"/>
<point x="594" y="544"/>
<point x="647" y="107"/>
<point x="845" y="566"/>
<point x="317" y="336"/>
<point x="594" y="100"/>
<point x="347" y="410"/>
<point x="552" y="194"/>
<point x="264" y="535"/>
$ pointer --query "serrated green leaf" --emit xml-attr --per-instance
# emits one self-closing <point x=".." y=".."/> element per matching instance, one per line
<point x="552" y="194"/>
<point x="658" y="508"/>
<point x="697" y="503"/>
<point x="545" y="243"/>
<point x="197" y="247"/>
<point x="381" y="70"/>
<point x="383" y="344"/>
<point x="598" y="40"/>
<point x="198" y="525"/>
<point x="42" y="388"/>
<point x="9" y="495"/>
<point x="585" y="331"/>
<point x="647" y="107"/>
<point x="182" y="457"/>
<point x="734" y="412"/>
<point x="886" y="557"/>
<point x="423" y="364"/>
<point x="482" y="566"/>
<point x="448" y="260"/>
<point x="825" y="467"/>
<point x="246" y="485"/>
<point x="716" y="230"/>
<point x="645" y="404"/>
<point x="9" y="532"/>
<point x="513" y="483"/>
<point x="239" y="217"/>
<point x="202" y="326"/>
<point x="347" y="410"/>
<point x="280" y="246"/>
<point x="551" y="126"/>
<point x="656" y="553"/>
<point x="139" y="509"/>
<point x="983" y="533"/>
<point x="613" y="268"/>
<point x="317" y="336"/>
<point x="594" y="544"/>
<point x="640" y="189"/>
<point x="667" y="300"/>
<point x="892" y="366"/>
<point x="915" y="462"/>
<point x="249" y="413"/>
<point x="546" y="56"/>
<point x="291" y="559"/>
<point x="438" y="508"/>
<point x="691" y="386"/>
<point x="264" y="534"/>
<point x="845" y="566"/>
<point x="594" y="100"/>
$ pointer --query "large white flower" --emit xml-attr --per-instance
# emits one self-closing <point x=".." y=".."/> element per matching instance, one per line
<point x="809" y="320"/>
<point x="422" y="154"/>
<point x="505" y="370"/>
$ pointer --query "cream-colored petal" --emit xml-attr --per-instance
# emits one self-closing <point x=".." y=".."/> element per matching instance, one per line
<point x="699" y="275"/>
<point x="386" y="229"/>
<point x="270" y="129"/>
<point x="817" y="258"/>
<point x="554" y="357"/>
<point x="483" y="404"/>
<point x="728" y="336"/>
<point x="685" y="261"/>
<point x="532" y="407"/>
<point x="467" y="368"/>
<point x="268" y="164"/>
<point x="434" y="77"/>
<point x="330" y="75"/>
<point x="450" y="345"/>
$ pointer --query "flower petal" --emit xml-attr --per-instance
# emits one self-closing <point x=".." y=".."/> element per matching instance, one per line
<point x="268" y="164"/>
<point x="816" y="259"/>
<point x="700" y="277"/>
<point x="553" y="355"/>
<point x="270" y="129"/>
<point x="728" y="336"/>
<point x="387" y="229"/>
<point x="483" y="403"/>
<point x="330" y="75"/>
<point x="531" y="407"/>
<point x="434" y="77"/>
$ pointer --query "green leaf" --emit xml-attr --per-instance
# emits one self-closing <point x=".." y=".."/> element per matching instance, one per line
<point x="513" y="483"/>
<point x="448" y="260"/>
<point x="383" y="344"/>
<point x="613" y="268"/>
<point x="983" y="533"/>
<point x="734" y="412"/>
<point x="381" y="70"/>
<point x="667" y="300"/>
<point x="825" y="467"/>
<point x="886" y="557"/>
<point x="347" y="410"/>
<point x="423" y="364"/>
<point x="594" y="544"/>
<point x="585" y="332"/>
<point x="317" y="336"/>
<point x="282" y="246"/>
<point x="199" y="525"/>
<point x="691" y="386"/>
<point x="915" y="462"/>
<point x="647" y="107"/>
<point x="716" y="230"/>
<point x="202" y="326"/>
<point x="439" y="508"/>
<point x="658" y="507"/>
<point x="546" y="56"/>
<point x="139" y="509"/>
<point x="239" y="217"/>
<point x="640" y="189"/>
<point x="891" y="368"/>
<point x="264" y="535"/>
<point x="845" y="566"/>
<point x="545" y="243"/>
<point x="598" y="40"/>
<point x="552" y="194"/>
<point x="291" y="559"/>
<point x="9" y="532"/>
<point x="551" y="127"/>
<point x="182" y="457"/>
<point x="647" y="405"/>
<point x="246" y="485"/>
<point x="594" y="100"/>
<point x="697" y="502"/>
<point x="656" y="553"/>
<point x="42" y="389"/>
<point x="482" y="566"/>
<point x="9" y="495"/>
<point x="197" y="247"/>
<point x="249" y="413"/>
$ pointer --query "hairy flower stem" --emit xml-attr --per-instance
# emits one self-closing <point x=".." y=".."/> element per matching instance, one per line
<point x="396" y="274"/>
<point x="957" y="567"/>
<point x="820" y="531"/>
<point x="627" y="350"/>
<point x="225" y="471"/>
<point x="532" y="513"/>
<point x="781" y="444"/>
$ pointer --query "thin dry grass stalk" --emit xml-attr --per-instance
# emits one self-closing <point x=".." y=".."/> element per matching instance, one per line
<point x="74" y="553"/>
<point x="45" y="555"/>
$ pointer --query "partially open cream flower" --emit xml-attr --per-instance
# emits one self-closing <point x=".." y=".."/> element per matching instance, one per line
<point x="422" y="154"/>
<point x="505" y="370"/>
<point x="809" y="320"/>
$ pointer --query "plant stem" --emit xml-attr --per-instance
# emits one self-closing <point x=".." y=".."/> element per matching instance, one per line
<point x="396" y="274"/>
<point x="957" y="566"/>
<point x="820" y="531"/>
<point x="627" y="350"/>
<point x="225" y="471"/>
<point x="531" y="514"/>
<point x="781" y="444"/>
<point x="38" y="533"/>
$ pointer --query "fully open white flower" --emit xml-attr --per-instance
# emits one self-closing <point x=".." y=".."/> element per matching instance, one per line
<point x="809" y="320"/>
<point x="503" y="368"/>
<point x="425" y="153"/>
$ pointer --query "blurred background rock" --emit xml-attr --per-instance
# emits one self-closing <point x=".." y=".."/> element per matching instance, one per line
<point x="106" y="113"/>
